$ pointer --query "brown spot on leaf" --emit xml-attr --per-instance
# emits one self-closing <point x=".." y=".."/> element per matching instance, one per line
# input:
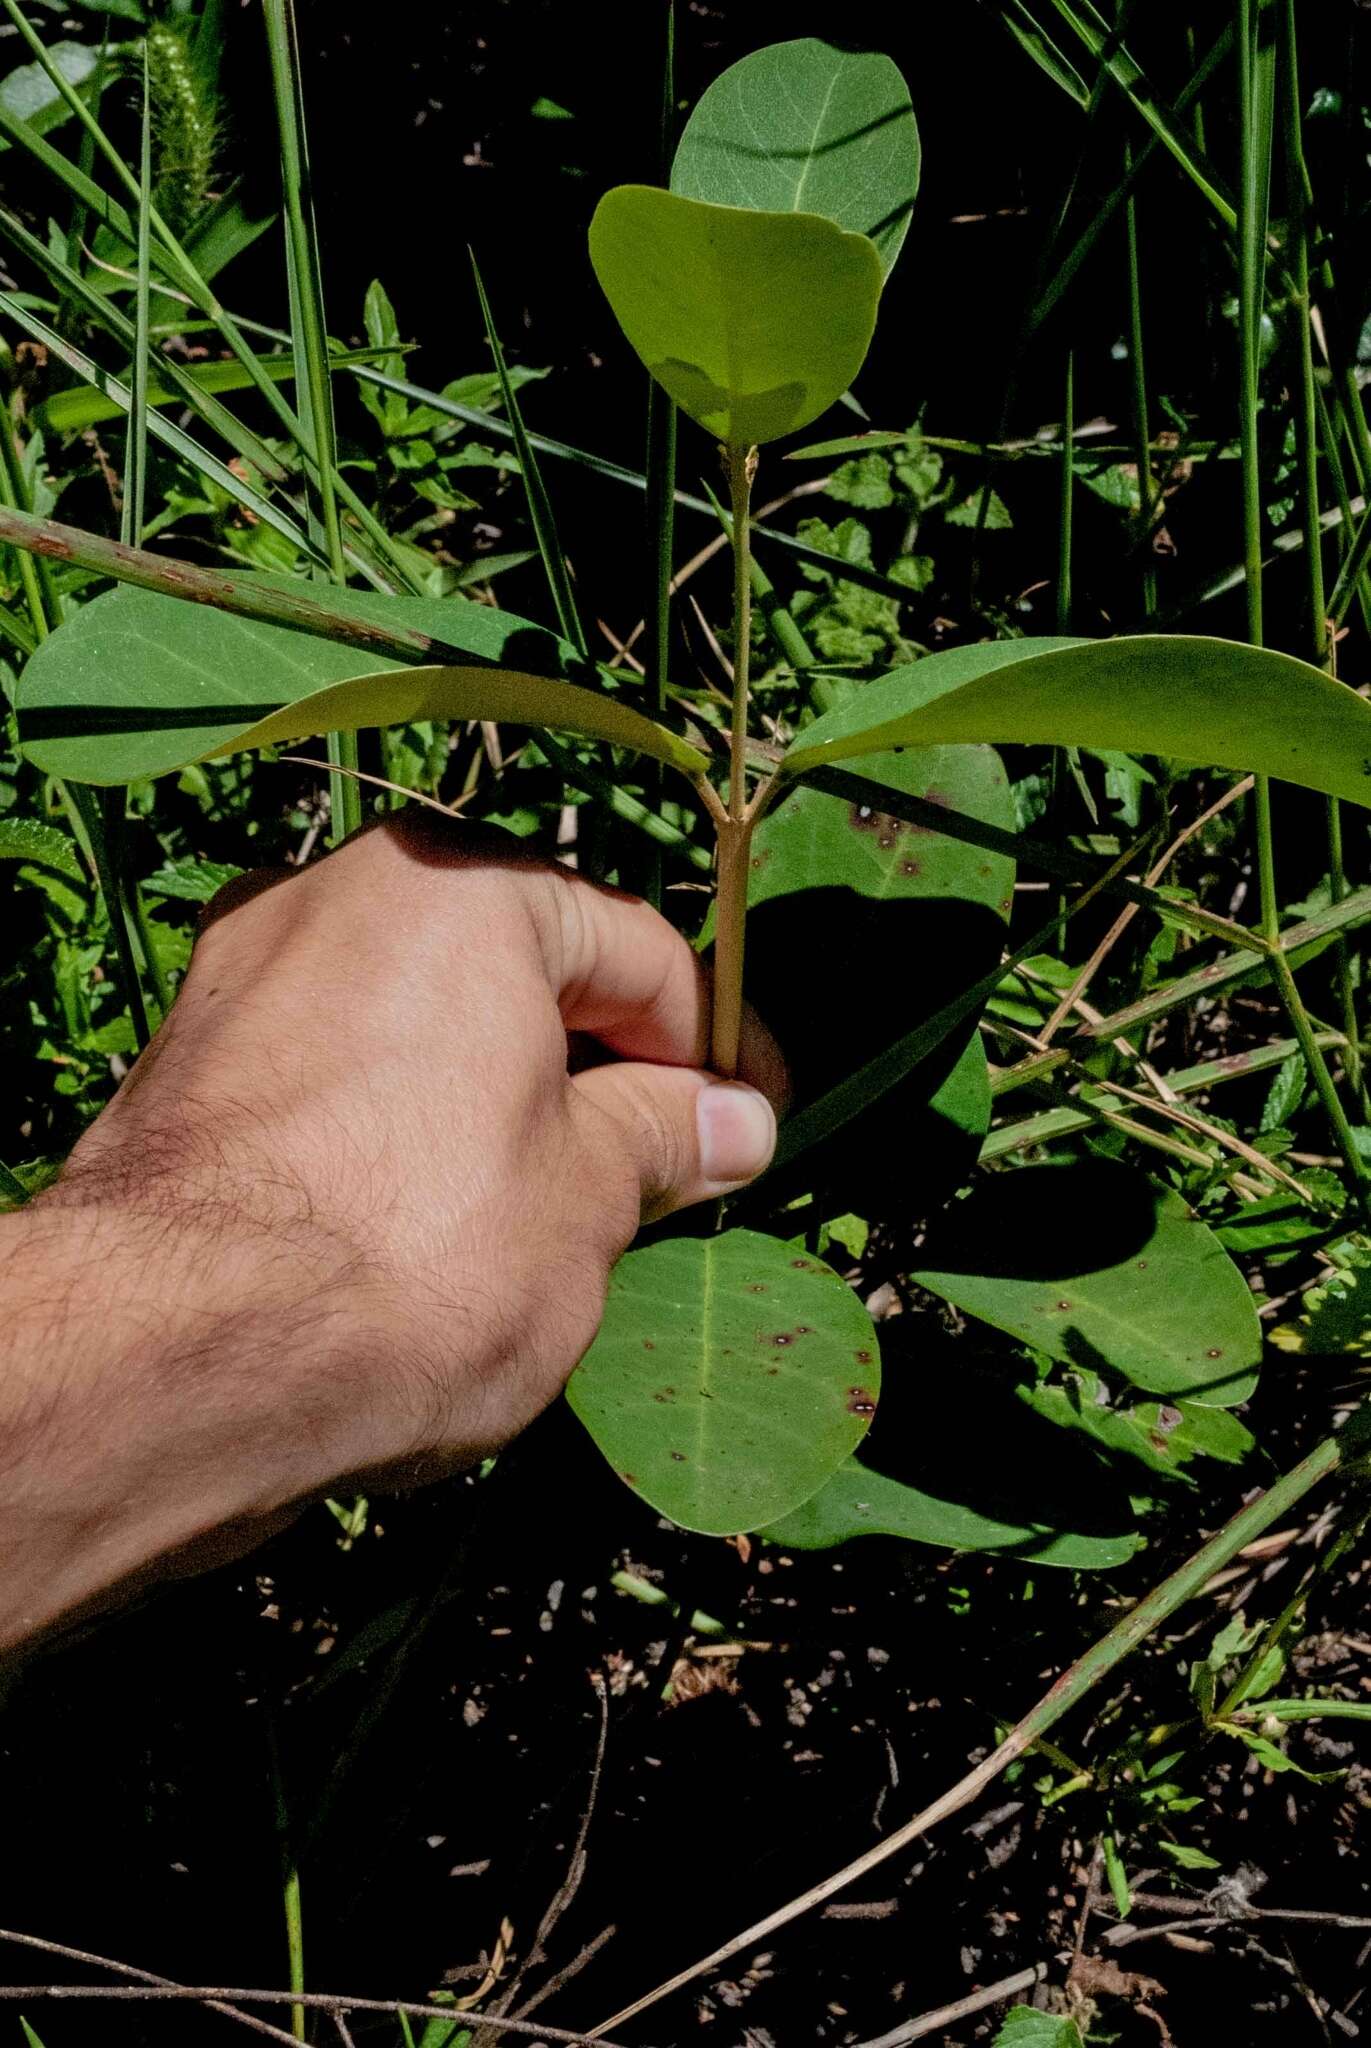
<point x="648" y="1344"/>
<point x="678" y="1457"/>
<point x="1214" y="1353"/>
<point x="859" y="1401"/>
<point x="757" y="1287"/>
<point x="782" y="1337"/>
<point x="1063" y="1304"/>
<point x="862" y="1357"/>
<point x="629" y="1478"/>
<point x="911" y="868"/>
<point x="665" y="1394"/>
<point x="802" y="1265"/>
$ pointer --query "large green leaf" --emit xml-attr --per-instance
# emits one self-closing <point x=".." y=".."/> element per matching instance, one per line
<point x="137" y="684"/>
<point x="806" y="127"/>
<point x="754" y="323"/>
<point x="842" y="897"/>
<point x="859" y="1502"/>
<point x="731" y="1375"/>
<point x="1213" y="703"/>
<point x="1095" y="1265"/>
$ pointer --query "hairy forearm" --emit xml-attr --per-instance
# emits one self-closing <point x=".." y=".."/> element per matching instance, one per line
<point x="140" y="1379"/>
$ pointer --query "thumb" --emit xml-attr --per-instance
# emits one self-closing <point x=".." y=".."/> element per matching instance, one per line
<point x="691" y="1135"/>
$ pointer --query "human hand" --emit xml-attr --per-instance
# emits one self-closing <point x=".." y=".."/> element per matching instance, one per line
<point x="351" y="1215"/>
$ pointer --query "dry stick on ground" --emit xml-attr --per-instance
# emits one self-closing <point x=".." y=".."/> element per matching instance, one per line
<point x="1074" y="999"/>
<point x="145" y="1977"/>
<point x="1127" y="915"/>
<point x="416" y="796"/>
<point x="1270" y="1169"/>
<point x="1135" y="1627"/>
<point x="218" y="1997"/>
<point x="567" y="1972"/>
<point x="1163" y="1107"/>
<point x="947" y="2015"/>
<point x="571" y="1883"/>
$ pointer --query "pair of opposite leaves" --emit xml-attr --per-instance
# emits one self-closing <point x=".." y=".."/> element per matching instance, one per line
<point x="750" y="288"/>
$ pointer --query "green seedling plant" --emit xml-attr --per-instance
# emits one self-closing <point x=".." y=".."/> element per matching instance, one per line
<point x="844" y="831"/>
<point x="737" y="1373"/>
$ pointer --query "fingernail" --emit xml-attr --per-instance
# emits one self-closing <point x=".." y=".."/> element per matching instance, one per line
<point x="737" y="1129"/>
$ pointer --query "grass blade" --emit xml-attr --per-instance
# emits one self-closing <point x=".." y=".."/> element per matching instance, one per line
<point x="1034" y="39"/>
<point x="1098" y="37"/>
<point x="160" y="429"/>
<point x="309" y="344"/>
<point x="660" y="469"/>
<point x="539" y="504"/>
<point x="195" y="388"/>
<point x="136" y="458"/>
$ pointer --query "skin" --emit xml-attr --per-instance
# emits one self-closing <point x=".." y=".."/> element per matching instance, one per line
<point x="352" y="1214"/>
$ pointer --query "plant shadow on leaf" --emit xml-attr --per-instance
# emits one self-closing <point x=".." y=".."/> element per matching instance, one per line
<point x="138" y="684"/>
<point x="697" y="393"/>
<point x="860" y="927"/>
<point x="836" y="1014"/>
<point x="959" y="1432"/>
<point x="1095" y="1265"/>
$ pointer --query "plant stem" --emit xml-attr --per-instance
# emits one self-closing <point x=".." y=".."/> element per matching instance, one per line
<point x="309" y="340"/>
<point x="136" y="435"/>
<point x="659" y="466"/>
<point x="39" y="594"/>
<point x="1137" y="363"/>
<point x="735" y="829"/>
<point x="730" y="921"/>
<point x="1307" y="458"/>
<point x="290" y="1883"/>
<point x="741" y="464"/>
<point x="1064" y="496"/>
<point x="1254" y="109"/>
<point x="103" y="815"/>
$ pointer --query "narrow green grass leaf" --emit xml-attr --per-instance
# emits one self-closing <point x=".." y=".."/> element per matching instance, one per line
<point x="1098" y="37"/>
<point x="193" y="384"/>
<point x="163" y="430"/>
<point x="535" y="491"/>
<point x="633" y="479"/>
<point x="1033" y="38"/>
<point x="136" y="438"/>
<point x="308" y="333"/>
<point x="69" y="412"/>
